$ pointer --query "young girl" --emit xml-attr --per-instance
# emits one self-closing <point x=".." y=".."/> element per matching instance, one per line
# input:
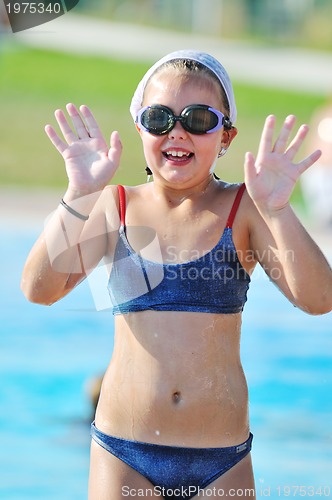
<point x="172" y="417"/>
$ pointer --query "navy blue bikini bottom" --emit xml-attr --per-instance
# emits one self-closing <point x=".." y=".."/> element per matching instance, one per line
<point x="174" y="469"/>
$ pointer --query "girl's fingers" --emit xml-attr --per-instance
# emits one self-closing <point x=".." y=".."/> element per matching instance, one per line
<point x="83" y="129"/>
<point x="55" y="139"/>
<point x="280" y="145"/>
<point x="67" y="132"/>
<point x="265" y="144"/>
<point x="250" y="171"/>
<point x="115" y="150"/>
<point x="297" y="141"/>
<point x="78" y="123"/>
<point x="91" y="123"/>
<point x="283" y="138"/>
<point x="308" y="161"/>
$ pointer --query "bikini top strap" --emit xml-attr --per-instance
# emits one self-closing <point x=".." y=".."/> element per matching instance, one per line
<point x="122" y="204"/>
<point x="230" y="220"/>
<point x="235" y="205"/>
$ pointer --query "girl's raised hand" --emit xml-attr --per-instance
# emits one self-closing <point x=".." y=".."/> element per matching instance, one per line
<point x="90" y="163"/>
<point x="271" y="178"/>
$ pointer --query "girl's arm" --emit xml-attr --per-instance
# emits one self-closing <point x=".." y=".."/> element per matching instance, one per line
<point x="71" y="244"/>
<point x="281" y="244"/>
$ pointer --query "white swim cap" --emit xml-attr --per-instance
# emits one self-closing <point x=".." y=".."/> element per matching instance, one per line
<point x="207" y="60"/>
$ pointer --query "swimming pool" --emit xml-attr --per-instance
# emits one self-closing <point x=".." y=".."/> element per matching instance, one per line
<point x="46" y="360"/>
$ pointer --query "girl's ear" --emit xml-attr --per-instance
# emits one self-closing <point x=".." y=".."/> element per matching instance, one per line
<point x="228" y="137"/>
<point x="233" y="133"/>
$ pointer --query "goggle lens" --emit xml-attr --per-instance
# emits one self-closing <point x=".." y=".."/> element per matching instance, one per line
<point x="195" y="119"/>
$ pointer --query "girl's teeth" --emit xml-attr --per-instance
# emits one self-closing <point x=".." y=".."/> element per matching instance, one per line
<point x="177" y="153"/>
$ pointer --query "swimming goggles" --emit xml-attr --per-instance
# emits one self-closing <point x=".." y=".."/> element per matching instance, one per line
<point x="195" y="119"/>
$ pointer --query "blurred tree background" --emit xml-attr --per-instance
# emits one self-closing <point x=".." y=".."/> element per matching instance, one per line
<point x="296" y="22"/>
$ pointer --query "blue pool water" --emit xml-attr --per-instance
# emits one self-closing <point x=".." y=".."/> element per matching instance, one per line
<point x="46" y="359"/>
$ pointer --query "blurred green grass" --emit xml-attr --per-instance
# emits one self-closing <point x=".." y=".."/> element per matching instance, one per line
<point x="33" y="83"/>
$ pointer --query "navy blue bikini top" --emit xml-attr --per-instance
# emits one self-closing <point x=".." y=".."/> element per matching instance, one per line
<point x="213" y="283"/>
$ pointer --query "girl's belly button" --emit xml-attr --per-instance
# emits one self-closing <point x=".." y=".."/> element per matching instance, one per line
<point x="176" y="397"/>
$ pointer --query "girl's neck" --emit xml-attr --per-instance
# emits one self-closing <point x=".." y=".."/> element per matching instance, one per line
<point x="177" y="195"/>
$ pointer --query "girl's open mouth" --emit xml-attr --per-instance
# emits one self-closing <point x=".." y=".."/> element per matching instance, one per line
<point x="177" y="156"/>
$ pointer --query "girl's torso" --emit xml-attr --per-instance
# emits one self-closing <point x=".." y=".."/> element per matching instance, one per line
<point x="175" y="376"/>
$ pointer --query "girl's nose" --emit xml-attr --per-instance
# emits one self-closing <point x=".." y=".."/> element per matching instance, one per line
<point x="177" y="132"/>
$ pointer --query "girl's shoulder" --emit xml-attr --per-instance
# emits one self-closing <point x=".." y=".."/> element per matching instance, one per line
<point x="236" y="193"/>
<point x="229" y="190"/>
